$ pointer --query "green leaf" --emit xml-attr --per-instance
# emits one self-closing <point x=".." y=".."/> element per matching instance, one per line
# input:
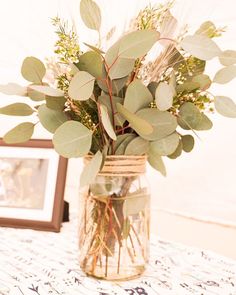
<point x="187" y="87"/>
<point x="207" y="29"/>
<point x="177" y="153"/>
<point x="13" y="89"/>
<point x="200" y="46"/>
<point x="47" y="90"/>
<point x="55" y="103"/>
<point x="189" y="116"/>
<point x="138" y="146"/>
<point x="140" y="125"/>
<point x="90" y="14"/>
<point x="156" y="162"/>
<point x="122" y="143"/>
<point x="116" y="85"/>
<point x="72" y="139"/>
<point x="121" y="138"/>
<point x="165" y="146"/>
<point x="228" y="57"/>
<point x="81" y="86"/>
<point x="225" y="106"/>
<point x="51" y="119"/>
<point x="117" y="67"/>
<point x="137" y="44"/>
<point x="188" y="143"/>
<point x="204" y="124"/>
<point x="99" y="51"/>
<point x="105" y="100"/>
<point x="35" y="95"/>
<point x="137" y="96"/>
<point x="91" y="62"/>
<point x="21" y="133"/>
<point x="164" y="96"/>
<point x="163" y="123"/>
<point x="91" y="170"/>
<point x="152" y="86"/>
<point x="225" y="75"/>
<point x="106" y="122"/>
<point x="121" y="68"/>
<point x="135" y="202"/>
<point x="203" y="80"/>
<point x="17" y="109"/>
<point x="33" y="70"/>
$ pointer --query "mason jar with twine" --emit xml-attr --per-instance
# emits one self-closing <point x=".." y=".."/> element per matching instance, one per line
<point x="114" y="219"/>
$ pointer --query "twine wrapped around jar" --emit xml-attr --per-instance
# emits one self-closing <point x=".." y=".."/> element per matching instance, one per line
<point x="121" y="165"/>
<point x="114" y="219"/>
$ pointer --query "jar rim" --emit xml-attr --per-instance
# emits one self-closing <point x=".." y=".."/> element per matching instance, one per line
<point x="122" y="165"/>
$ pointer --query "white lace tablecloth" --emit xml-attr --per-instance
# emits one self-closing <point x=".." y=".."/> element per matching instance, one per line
<point x="43" y="263"/>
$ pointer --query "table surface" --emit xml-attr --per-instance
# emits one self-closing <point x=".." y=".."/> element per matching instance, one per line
<point x="43" y="263"/>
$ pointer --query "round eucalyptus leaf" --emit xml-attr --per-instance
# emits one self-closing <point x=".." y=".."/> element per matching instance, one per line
<point x="121" y="138"/>
<point x="137" y="44"/>
<point x="91" y="62"/>
<point x="140" y="125"/>
<point x="81" y="86"/>
<point x="228" y="57"/>
<point x="21" y="133"/>
<point x="156" y="162"/>
<point x="187" y="87"/>
<point x="13" y="89"/>
<point x="99" y="51"/>
<point x="138" y="146"/>
<point x="121" y="68"/>
<point x="124" y="139"/>
<point x="135" y="203"/>
<point x="51" y="119"/>
<point x="225" y="75"/>
<point x="106" y="122"/>
<point x="17" y="109"/>
<point x="200" y="46"/>
<point x="203" y="80"/>
<point x="204" y="124"/>
<point x="35" y="95"/>
<point x="72" y="139"/>
<point x="90" y="14"/>
<point x="189" y="116"/>
<point x="165" y="146"/>
<point x="33" y="70"/>
<point x="207" y="29"/>
<point x="117" y="67"/>
<point x="55" y="103"/>
<point x="152" y="86"/>
<point x="225" y="106"/>
<point x="47" y="90"/>
<point x="117" y="85"/>
<point x="91" y="170"/>
<point x="187" y="143"/>
<point x="164" y="96"/>
<point x="177" y="153"/>
<point x="137" y="96"/>
<point x="105" y="100"/>
<point x="163" y="123"/>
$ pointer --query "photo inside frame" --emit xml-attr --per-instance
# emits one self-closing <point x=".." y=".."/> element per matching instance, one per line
<point x="28" y="178"/>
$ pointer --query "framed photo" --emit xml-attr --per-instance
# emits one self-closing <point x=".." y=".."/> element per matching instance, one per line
<point x="32" y="184"/>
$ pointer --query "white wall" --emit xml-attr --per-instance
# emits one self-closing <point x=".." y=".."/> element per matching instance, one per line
<point x="201" y="183"/>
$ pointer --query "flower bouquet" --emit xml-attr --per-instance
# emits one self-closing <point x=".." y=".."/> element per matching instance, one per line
<point x="144" y="98"/>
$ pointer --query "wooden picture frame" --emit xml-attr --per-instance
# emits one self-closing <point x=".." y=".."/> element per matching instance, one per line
<point x="24" y="202"/>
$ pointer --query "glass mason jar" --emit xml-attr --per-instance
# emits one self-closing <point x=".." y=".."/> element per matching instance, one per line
<point x="114" y="220"/>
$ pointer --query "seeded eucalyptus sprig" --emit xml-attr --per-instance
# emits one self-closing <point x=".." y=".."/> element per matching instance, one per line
<point x="108" y="106"/>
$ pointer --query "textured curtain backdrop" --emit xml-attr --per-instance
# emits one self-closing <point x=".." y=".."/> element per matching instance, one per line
<point x="202" y="183"/>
